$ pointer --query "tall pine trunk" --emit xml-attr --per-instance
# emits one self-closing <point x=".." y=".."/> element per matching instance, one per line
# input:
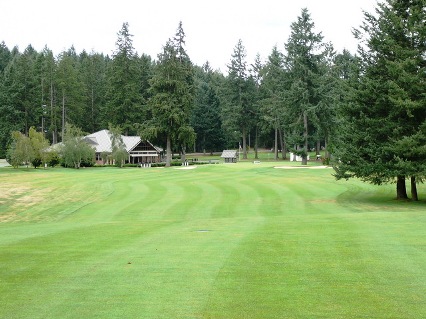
<point x="53" y="126"/>
<point x="244" y="143"/>
<point x="401" y="192"/>
<point x="63" y="116"/>
<point x="414" y="196"/>
<point x="256" y="156"/>
<point x="183" y="156"/>
<point x="276" y="144"/>
<point x="305" y="137"/>
<point x="168" y="151"/>
<point x="282" y="143"/>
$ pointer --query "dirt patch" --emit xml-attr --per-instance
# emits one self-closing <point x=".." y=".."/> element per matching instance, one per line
<point x="186" y="167"/>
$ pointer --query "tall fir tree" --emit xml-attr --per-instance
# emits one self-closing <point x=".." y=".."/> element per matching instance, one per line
<point x="238" y="106"/>
<point x="124" y="101"/>
<point x="273" y="104"/>
<point x="384" y="130"/>
<point x="93" y="68"/>
<point x="305" y="53"/>
<point x="172" y="89"/>
<point x="205" y="117"/>
<point x="70" y="89"/>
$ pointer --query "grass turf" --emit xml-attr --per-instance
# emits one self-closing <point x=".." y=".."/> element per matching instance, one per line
<point x="219" y="241"/>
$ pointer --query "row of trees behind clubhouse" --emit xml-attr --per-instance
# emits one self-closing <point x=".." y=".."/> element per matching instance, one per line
<point x="367" y="109"/>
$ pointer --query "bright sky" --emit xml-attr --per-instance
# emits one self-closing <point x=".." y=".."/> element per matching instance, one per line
<point x="212" y="28"/>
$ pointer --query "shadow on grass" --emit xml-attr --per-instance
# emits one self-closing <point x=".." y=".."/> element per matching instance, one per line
<point x="377" y="199"/>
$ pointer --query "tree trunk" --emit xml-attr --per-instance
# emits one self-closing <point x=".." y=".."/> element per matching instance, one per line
<point x="305" y="137"/>
<point x="63" y="116"/>
<point x="276" y="144"/>
<point x="318" y="148"/>
<point x="401" y="192"/>
<point x="92" y="124"/>
<point x="244" y="143"/>
<point x="256" y="155"/>
<point x="183" y="155"/>
<point x="282" y="144"/>
<point x="168" y="152"/>
<point x="53" y="117"/>
<point x="414" y="196"/>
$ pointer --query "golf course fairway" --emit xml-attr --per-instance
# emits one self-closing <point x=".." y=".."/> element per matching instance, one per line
<point x="217" y="241"/>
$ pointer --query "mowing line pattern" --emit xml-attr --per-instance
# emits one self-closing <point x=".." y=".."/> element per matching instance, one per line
<point x="218" y="241"/>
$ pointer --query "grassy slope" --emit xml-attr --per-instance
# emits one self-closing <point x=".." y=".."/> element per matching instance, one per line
<point x="218" y="241"/>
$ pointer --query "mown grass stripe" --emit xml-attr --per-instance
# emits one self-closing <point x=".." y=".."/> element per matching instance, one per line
<point x="219" y="241"/>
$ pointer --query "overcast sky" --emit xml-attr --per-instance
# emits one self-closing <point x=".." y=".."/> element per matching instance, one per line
<point x="212" y="28"/>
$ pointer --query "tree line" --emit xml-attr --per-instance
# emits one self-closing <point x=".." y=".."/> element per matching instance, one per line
<point x="367" y="109"/>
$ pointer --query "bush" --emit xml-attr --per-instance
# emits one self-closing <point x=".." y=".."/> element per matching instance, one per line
<point x="54" y="159"/>
<point x="130" y="165"/>
<point x="158" y="164"/>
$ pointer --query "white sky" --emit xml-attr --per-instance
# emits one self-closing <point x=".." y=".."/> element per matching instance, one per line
<point x="212" y="27"/>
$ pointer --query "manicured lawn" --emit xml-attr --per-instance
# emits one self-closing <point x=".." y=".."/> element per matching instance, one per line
<point x="219" y="241"/>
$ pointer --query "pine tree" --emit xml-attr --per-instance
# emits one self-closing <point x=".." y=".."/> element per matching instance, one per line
<point x="382" y="139"/>
<point x="172" y="92"/>
<point x="273" y="104"/>
<point x="238" y="106"/>
<point x="125" y="105"/>
<point x="70" y="89"/>
<point x="205" y="117"/>
<point x="93" y="68"/>
<point x="305" y="53"/>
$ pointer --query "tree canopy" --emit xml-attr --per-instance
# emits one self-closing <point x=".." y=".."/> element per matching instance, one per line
<point x="382" y="137"/>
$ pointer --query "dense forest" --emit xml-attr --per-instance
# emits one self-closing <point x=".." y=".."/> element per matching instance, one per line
<point x="367" y="109"/>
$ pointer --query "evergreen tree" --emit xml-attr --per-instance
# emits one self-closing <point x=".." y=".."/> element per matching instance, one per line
<point x="238" y="106"/>
<point x="70" y="89"/>
<point x="257" y="74"/>
<point x="93" y="68"/>
<point x="125" y="104"/>
<point x="205" y="117"/>
<point x="305" y="53"/>
<point x="5" y="57"/>
<point x="382" y="137"/>
<point x="49" y="109"/>
<point x="273" y="104"/>
<point x="172" y="92"/>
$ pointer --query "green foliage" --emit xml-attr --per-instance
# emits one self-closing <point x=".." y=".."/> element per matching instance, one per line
<point x="238" y="96"/>
<point x="20" y="151"/>
<point x="40" y="147"/>
<point x="92" y="69"/>
<point x="205" y="118"/>
<point x="70" y="89"/>
<point x="124" y="97"/>
<point x="172" y="90"/>
<point x="306" y="54"/>
<point x="119" y="153"/>
<point x="382" y="136"/>
<point x="74" y="150"/>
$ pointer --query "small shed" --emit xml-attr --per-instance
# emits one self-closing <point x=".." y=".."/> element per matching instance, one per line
<point x="229" y="156"/>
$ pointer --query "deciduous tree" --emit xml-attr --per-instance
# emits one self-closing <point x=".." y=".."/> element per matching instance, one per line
<point x="74" y="149"/>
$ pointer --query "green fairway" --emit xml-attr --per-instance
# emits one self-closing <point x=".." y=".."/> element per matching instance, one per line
<point x="216" y="241"/>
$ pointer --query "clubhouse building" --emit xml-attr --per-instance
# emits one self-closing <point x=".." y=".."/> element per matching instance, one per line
<point x="139" y="151"/>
